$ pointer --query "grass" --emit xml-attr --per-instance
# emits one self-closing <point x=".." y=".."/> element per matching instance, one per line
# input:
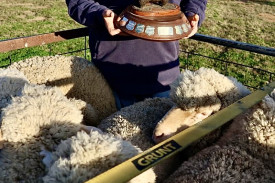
<point x="250" y="21"/>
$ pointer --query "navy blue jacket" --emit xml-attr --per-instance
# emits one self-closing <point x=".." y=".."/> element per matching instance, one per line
<point x="132" y="66"/>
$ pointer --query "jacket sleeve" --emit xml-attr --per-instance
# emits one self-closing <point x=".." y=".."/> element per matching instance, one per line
<point x="86" y="12"/>
<point x="191" y="7"/>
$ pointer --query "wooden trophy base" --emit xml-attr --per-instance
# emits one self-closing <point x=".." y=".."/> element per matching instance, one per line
<point x="154" y="22"/>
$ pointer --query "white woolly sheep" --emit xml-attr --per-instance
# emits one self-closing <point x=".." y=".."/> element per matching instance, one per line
<point x="197" y="94"/>
<point x="85" y="156"/>
<point x="254" y="131"/>
<point x="222" y="164"/>
<point x="12" y="81"/>
<point x="39" y="116"/>
<point x="245" y="153"/>
<point x="74" y="76"/>
<point x="136" y="123"/>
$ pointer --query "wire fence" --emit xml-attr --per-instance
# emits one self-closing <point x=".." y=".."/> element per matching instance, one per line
<point x="251" y="76"/>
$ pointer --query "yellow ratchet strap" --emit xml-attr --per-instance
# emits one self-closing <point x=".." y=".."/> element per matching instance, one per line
<point x="143" y="161"/>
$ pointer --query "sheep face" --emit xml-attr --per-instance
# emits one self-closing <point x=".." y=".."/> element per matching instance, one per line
<point x="177" y="120"/>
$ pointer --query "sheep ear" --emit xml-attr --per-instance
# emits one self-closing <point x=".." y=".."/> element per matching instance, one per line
<point x="1" y="140"/>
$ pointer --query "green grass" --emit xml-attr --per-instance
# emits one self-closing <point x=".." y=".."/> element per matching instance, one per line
<point x="250" y="21"/>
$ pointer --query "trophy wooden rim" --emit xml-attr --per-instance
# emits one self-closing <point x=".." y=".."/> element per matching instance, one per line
<point x="157" y="26"/>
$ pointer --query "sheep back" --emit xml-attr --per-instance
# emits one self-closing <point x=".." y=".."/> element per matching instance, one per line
<point x="85" y="156"/>
<point x="254" y="131"/>
<point x="36" y="108"/>
<point x="222" y="164"/>
<point x="75" y="77"/>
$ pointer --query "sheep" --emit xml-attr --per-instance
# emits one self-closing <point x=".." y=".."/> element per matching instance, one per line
<point x="254" y="131"/>
<point x="12" y="81"/>
<point x="245" y="153"/>
<point x="197" y="95"/>
<point x="137" y="122"/>
<point x="222" y="164"/>
<point x="39" y="116"/>
<point x="38" y="119"/>
<point x="85" y="156"/>
<point x="75" y="77"/>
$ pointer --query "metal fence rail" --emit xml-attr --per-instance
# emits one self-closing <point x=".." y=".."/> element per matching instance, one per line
<point x="43" y="39"/>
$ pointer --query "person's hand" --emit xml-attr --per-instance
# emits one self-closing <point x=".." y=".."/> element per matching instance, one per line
<point x="109" y="17"/>
<point x="194" y="21"/>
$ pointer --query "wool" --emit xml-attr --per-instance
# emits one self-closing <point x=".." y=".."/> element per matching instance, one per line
<point x="38" y="116"/>
<point x="90" y="115"/>
<point x="206" y="87"/>
<point x="75" y="77"/>
<point x="222" y="164"/>
<point x="136" y="123"/>
<point x="85" y="156"/>
<point x="37" y="106"/>
<point x="254" y="131"/>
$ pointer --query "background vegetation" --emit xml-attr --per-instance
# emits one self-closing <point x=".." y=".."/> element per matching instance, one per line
<point x="250" y="21"/>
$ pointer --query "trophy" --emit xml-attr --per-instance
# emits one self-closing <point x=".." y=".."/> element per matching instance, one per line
<point x="155" y="20"/>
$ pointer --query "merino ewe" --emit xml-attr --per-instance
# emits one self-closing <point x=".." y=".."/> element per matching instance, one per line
<point x="136" y="123"/>
<point x="12" y="81"/>
<point x="85" y="156"/>
<point x="222" y="164"/>
<point x="39" y="116"/>
<point x="197" y="94"/>
<point x="245" y="153"/>
<point x="254" y="131"/>
<point x="75" y="77"/>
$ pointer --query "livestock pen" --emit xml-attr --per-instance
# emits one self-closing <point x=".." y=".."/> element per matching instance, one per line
<point x="189" y="60"/>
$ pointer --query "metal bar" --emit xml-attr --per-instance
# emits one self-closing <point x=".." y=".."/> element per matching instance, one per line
<point x="234" y="44"/>
<point x="26" y="42"/>
<point x="134" y="166"/>
<point x="75" y="51"/>
<point x="230" y="62"/>
<point x="23" y="42"/>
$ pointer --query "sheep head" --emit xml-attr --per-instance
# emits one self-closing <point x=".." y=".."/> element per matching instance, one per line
<point x="197" y="95"/>
<point x="177" y="120"/>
